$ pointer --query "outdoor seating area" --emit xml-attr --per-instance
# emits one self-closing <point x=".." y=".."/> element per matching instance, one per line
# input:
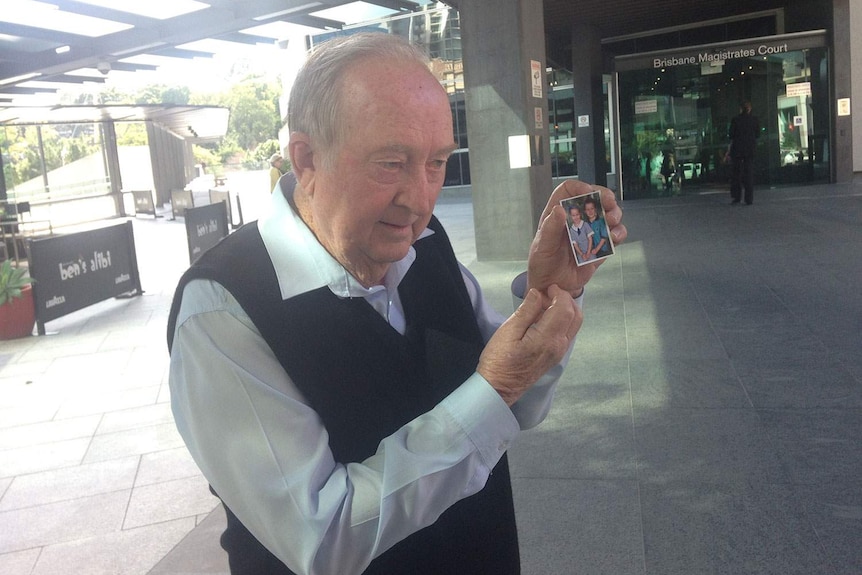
<point x="16" y="227"/>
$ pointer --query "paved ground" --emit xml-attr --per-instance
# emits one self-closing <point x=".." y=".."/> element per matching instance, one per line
<point x="709" y="423"/>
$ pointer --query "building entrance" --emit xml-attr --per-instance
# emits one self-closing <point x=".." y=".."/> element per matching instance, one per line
<point x="675" y="108"/>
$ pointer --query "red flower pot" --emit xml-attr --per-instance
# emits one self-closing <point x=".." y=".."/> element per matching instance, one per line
<point x="18" y="315"/>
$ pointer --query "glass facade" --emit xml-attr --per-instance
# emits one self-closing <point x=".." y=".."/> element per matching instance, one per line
<point x="674" y="114"/>
<point x="561" y="113"/>
<point x="668" y="134"/>
<point x="43" y="163"/>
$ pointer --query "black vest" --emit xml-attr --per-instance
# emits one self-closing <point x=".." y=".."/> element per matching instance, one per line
<point x="366" y="380"/>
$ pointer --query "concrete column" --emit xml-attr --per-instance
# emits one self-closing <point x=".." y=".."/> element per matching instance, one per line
<point x="589" y="105"/>
<point x="167" y="154"/>
<point x="112" y="163"/>
<point x="2" y="178"/>
<point x="500" y="39"/>
<point x="842" y="39"/>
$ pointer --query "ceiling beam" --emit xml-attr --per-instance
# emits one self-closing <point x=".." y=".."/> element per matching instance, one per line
<point x="130" y="67"/>
<point x="181" y="53"/>
<point x="399" y="5"/>
<point x="71" y="79"/>
<point x="20" y="90"/>
<point x="242" y="38"/>
<point x="314" y="21"/>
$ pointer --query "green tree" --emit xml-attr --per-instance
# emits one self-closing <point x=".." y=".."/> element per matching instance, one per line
<point x="254" y="115"/>
<point x="162" y="94"/>
<point x="131" y="133"/>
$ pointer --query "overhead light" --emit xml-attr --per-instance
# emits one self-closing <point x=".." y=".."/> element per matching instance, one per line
<point x="293" y="10"/>
<point x="21" y="78"/>
<point x="62" y="49"/>
<point x="158" y="9"/>
<point x="49" y="17"/>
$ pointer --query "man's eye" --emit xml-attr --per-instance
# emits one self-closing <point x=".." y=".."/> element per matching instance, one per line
<point x="390" y="165"/>
<point x="437" y="164"/>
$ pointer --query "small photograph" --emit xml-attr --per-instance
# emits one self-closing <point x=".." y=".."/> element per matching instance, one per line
<point x="588" y="230"/>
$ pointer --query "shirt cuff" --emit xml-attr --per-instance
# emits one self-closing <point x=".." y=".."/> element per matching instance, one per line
<point x="484" y="416"/>
<point x="579" y="301"/>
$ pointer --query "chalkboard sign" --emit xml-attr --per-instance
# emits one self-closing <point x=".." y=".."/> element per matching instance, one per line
<point x="217" y="196"/>
<point x="144" y="203"/>
<point x="73" y="271"/>
<point x="205" y="227"/>
<point x="224" y="196"/>
<point x="181" y="200"/>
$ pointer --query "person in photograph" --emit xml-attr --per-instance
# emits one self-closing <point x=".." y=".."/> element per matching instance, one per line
<point x="581" y="234"/>
<point x="601" y="241"/>
<point x="743" y="132"/>
<point x="338" y="376"/>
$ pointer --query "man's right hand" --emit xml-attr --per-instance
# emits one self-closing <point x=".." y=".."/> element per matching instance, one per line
<point x="530" y="342"/>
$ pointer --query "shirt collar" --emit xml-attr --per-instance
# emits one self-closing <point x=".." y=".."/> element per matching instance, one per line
<point x="302" y="264"/>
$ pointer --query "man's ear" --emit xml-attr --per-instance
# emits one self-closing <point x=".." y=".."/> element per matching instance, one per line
<point x="301" y="158"/>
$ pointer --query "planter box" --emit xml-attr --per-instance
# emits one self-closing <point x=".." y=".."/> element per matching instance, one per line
<point x="18" y="316"/>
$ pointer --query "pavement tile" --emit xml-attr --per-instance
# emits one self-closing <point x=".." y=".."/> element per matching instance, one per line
<point x="571" y="526"/>
<point x="135" y="417"/>
<point x="70" y="483"/>
<point x="167" y="465"/>
<point x="169" y="500"/>
<point x="727" y="527"/>
<point x="18" y="562"/>
<point x="126" y="552"/>
<point x="35" y="458"/>
<point x="48" y="431"/>
<point x="147" y="439"/>
<point x="63" y="521"/>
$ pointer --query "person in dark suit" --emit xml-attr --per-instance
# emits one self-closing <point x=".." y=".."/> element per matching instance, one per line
<point x="744" y="131"/>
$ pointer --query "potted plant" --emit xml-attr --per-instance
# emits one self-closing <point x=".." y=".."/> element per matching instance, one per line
<point x="17" y="311"/>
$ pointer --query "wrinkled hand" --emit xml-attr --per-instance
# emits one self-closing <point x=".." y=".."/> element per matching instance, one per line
<point x="551" y="261"/>
<point x="530" y="342"/>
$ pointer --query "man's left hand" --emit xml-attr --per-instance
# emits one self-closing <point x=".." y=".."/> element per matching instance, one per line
<point x="551" y="260"/>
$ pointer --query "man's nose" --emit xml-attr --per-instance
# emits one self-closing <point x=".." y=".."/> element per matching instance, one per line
<point x="417" y="190"/>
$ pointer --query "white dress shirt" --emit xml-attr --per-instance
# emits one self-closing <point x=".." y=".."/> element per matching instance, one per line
<point x="266" y="452"/>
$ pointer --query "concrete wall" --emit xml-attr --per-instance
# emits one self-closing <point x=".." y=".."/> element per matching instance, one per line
<point x="500" y="38"/>
<point x="856" y="83"/>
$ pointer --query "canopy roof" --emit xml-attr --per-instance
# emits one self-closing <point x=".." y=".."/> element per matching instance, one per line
<point x="194" y="123"/>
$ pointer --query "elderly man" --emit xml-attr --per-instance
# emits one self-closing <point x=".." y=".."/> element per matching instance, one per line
<point x="336" y="374"/>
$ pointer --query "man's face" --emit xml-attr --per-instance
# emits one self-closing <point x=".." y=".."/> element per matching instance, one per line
<point x="375" y="194"/>
<point x="590" y="210"/>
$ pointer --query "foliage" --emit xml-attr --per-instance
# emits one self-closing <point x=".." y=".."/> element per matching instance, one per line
<point x="12" y="280"/>
<point x="254" y="116"/>
<point x="161" y="94"/>
<point x="62" y="144"/>
<point x="131" y="133"/>
<point x="205" y="156"/>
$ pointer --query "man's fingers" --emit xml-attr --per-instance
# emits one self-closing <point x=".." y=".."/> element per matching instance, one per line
<point x="560" y="316"/>
<point x="525" y="316"/>
<point x="612" y="210"/>
<point x="619" y="233"/>
<point x="551" y="229"/>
